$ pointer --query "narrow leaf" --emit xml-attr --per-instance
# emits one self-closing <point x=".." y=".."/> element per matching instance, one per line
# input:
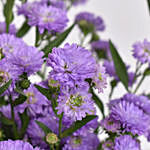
<point x="5" y="87"/>
<point x="23" y="30"/>
<point x="98" y="102"/>
<point x="43" y="127"/>
<point x="20" y="100"/>
<point x="24" y="121"/>
<point x="5" y="120"/>
<point x="77" y="125"/>
<point x="119" y="65"/>
<point x="56" y="42"/>
<point x="148" y="3"/>
<point x="8" y="13"/>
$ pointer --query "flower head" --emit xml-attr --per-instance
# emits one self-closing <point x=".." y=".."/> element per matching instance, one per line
<point x="89" y="23"/>
<point x="141" y="51"/>
<point x="71" y="65"/>
<point x="126" y="142"/>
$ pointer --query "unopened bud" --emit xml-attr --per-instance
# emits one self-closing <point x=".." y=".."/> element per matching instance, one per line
<point x="51" y="138"/>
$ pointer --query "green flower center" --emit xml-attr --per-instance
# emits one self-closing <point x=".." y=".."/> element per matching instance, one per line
<point x="31" y="98"/>
<point x="51" y="138"/>
<point x="76" y="100"/>
<point x="100" y="77"/>
<point x="147" y="51"/>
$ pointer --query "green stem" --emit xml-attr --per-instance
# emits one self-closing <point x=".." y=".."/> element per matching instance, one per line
<point x="13" y="119"/>
<point x="139" y="84"/>
<point x="60" y="124"/>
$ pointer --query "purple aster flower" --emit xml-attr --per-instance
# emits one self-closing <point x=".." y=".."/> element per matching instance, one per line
<point x="100" y="79"/>
<point x="76" y="104"/>
<point x="110" y="125"/>
<point x="16" y="145"/>
<point x="89" y="142"/>
<point x="141" y="51"/>
<point x="101" y="46"/>
<point x="126" y="142"/>
<point x="48" y="17"/>
<point x="71" y="65"/>
<point x="12" y="28"/>
<point x="86" y="19"/>
<point x="27" y="59"/>
<point x="35" y="101"/>
<point x="131" y="117"/>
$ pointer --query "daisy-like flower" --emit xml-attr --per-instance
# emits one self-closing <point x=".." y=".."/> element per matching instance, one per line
<point x="131" y="117"/>
<point x="89" y="23"/>
<point x="89" y="142"/>
<point x="141" y="51"/>
<point x="71" y="65"/>
<point x="126" y="142"/>
<point x="100" y="79"/>
<point x="48" y="17"/>
<point x="16" y="145"/>
<point x="75" y="104"/>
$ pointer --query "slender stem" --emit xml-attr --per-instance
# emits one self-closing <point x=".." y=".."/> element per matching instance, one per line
<point x="60" y="124"/>
<point x="13" y="119"/>
<point x="139" y="84"/>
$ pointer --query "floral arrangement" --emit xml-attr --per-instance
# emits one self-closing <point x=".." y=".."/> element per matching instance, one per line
<point x="61" y="111"/>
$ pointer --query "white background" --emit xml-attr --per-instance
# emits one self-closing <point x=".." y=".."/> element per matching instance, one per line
<point x="126" y="22"/>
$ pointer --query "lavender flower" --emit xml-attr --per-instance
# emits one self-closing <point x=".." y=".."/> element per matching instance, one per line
<point x="16" y="145"/>
<point x="131" y="117"/>
<point x="126" y="142"/>
<point x="101" y="47"/>
<point x="71" y="65"/>
<point x="75" y="104"/>
<point x="35" y="101"/>
<point x="110" y="125"/>
<point x="108" y="145"/>
<point x="12" y="28"/>
<point x="141" y="51"/>
<point x="89" y="22"/>
<point x="100" y="79"/>
<point x="48" y="17"/>
<point x="89" y="142"/>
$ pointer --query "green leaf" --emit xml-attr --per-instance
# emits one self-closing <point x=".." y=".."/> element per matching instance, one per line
<point x="3" y="101"/>
<point x="113" y="84"/>
<point x="44" y="91"/>
<point x="20" y="100"/>
<point x="43" y="127"/>
<point x="5" y="87"/>
<point x="119" y="65"/>
<point x="56" y="42"/>
<point x="98" y="102"/>
<point x="50" y="94"/>
<point x="8" y="13"/>
<point x="24" y="121"/>
<point x="147" y="72"/>
<point x="148" y="2"/>
<point x="77" y="125"/>
<point x="24" y="29"/>
<point x="5" y="120"/>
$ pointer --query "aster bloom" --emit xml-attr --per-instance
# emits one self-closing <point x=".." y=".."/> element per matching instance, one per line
<point x="102" y="49"/>
<point x="126" y="142"/>
<point x="28" y="59"/>
<point x="48" y="17"/>
<point x="71" y="65"/>
<point x="131" y="117"/>
<point x="89" y="142"/>
<point x="35" y="101"/>
<point x="110" y="125"/>
<point x="76" y="104"/>
<point x="12" y="28"/>
<point x="87" y="21"/>
<point x="16" y="145"/>
<point x="141" y="51"/>
<point x="100" y="79"/>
